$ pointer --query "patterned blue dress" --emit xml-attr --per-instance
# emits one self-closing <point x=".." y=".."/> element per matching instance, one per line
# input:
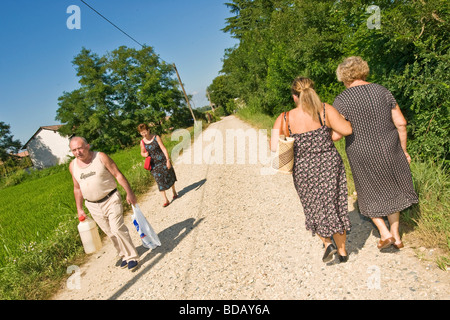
<point x="164" y="177"/>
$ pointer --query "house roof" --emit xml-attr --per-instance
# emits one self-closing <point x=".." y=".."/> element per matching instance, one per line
<point x="50" y="128"/>
<point x="23" y="154"/>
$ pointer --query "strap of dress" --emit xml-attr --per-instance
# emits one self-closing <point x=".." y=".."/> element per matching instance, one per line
<point x="324" y="120"/>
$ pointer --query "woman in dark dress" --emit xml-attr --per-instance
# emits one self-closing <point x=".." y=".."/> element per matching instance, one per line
<point x="318" y="173"/>
<point x="162" y="170"/>
<point x="376" y="150"/>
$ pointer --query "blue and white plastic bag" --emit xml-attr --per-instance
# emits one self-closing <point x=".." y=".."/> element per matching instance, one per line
<point x="148" y="236"/>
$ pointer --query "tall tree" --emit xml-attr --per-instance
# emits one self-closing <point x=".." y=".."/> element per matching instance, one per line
<point x="408" y="53"/>
<point x="118" y="91"/>
<point x="219" y="91"/>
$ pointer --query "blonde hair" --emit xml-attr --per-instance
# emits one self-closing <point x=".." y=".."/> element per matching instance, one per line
<point x="351" y="69"/>
<point x="310" y="102"/>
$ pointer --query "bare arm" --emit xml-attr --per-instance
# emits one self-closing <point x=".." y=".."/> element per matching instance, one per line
<point x="112" y="167"/>
<point x="400" y="123"/>
<point x="336" y="136"/>
<point x="276" y="132"/>
<point x="144" y="152"/>
<point x="77" y="193"/>
<point x="337" y="122"/>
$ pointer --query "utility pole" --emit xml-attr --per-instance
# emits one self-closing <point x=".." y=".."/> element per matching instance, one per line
<point x="210" y="102"/>
<point x="185" y="95"/>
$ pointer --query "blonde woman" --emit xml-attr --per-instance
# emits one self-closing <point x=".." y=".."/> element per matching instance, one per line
<point x="376" y="150"/>
<point x="318" y="174"/>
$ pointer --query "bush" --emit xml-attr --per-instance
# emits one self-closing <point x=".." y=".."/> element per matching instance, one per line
<point x="430" y="218"/>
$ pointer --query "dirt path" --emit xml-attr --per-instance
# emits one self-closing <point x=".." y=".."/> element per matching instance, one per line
<point x="238" y="234"/>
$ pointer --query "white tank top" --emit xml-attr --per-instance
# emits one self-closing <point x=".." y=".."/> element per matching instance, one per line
<point x="95" y="180"/>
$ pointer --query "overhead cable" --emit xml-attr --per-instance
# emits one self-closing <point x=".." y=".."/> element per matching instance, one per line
<point x="112" y="23"/>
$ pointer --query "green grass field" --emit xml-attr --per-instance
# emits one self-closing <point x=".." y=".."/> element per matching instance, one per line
<point x="38" y="233"/>
<point x="31" y="211"/>
<point x="38" y="225"/>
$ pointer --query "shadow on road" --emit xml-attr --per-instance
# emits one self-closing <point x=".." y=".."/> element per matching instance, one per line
<point x="196" y="186"/>
<point x="169" y="238"/>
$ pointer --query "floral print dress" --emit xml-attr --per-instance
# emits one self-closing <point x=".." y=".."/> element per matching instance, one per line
<point x="164" y="177"/>
<point x="320" y="181"/>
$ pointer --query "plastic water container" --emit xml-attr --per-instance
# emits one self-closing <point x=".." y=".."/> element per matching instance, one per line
<point x="89" y="235"/>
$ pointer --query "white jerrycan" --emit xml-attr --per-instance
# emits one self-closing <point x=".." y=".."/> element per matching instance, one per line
<point x="89" y="235"/>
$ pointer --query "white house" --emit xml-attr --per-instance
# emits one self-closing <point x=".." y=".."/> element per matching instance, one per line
<point x="48" y="148"/>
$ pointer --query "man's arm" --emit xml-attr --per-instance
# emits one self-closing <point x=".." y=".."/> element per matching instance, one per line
<point x="77" y="193"/>
<point x="114" y="170"/>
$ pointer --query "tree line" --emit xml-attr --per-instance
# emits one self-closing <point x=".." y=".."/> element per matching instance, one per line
<point x="118" y="91"/>
<point x="408" y="52"/>
<point x="9" y="148"/>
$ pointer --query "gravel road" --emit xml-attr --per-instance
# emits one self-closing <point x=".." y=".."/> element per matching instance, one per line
<point x="237" y="233"/>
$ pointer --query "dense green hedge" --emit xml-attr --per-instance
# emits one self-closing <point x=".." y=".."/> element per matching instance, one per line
<point x="282" y="39"/>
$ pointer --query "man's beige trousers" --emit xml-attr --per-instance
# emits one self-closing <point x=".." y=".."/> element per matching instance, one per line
<point x="109" y="217"/>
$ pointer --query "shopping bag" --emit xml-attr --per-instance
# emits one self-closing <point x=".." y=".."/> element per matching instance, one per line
<point x="148" y="236"/>
<point x="283" y="160"/>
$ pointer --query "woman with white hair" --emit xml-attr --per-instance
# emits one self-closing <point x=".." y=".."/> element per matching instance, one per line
<point x="376" y="149"/>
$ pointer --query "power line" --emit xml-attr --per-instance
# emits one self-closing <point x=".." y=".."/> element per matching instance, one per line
<point x="112" y="23"/>
<point x="179" y="79"/>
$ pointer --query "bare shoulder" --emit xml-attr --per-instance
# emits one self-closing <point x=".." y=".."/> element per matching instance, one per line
<point x="331" y="111"/>
<point x="104" y="158"/>
<point x="71" y="165"/>
<point x="280" y="118"/>
<point x="329" y="107"/>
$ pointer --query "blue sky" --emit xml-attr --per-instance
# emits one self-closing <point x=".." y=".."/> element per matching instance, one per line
<point x="37" y="48"/>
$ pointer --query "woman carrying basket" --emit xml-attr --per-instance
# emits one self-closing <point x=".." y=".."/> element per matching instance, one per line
<point x="318" y="173"/>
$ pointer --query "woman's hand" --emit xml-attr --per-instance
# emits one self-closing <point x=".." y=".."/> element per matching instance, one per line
<point x="168" y="164"/>
<point x="408" y="157"/>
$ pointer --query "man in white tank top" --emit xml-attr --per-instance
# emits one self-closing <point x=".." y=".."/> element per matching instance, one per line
<point x="94" y="177"/>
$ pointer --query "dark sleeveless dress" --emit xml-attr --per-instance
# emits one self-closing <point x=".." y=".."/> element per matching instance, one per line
<point x="379" y="166"/>
<point x="320" y="181"/>
<point x="164" y="177"/>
